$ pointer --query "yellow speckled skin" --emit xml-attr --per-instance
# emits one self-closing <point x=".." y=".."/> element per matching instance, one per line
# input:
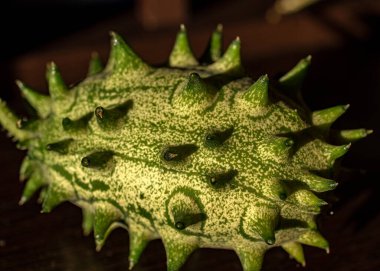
<point x="194" y="153"/>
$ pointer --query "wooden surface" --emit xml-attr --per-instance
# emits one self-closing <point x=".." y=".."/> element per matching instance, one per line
<point x="344" y="39"/>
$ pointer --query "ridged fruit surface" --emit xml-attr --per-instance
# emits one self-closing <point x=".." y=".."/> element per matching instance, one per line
<point x="195" y="153"/>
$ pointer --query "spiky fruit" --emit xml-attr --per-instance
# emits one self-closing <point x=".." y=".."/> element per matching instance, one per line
<point x="196" y="154"/>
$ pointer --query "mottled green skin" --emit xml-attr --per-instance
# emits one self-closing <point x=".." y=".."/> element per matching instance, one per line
<point x="271" y="147"/>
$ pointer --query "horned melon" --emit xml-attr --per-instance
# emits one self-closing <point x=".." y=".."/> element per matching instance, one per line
<point x="195" y="152"/>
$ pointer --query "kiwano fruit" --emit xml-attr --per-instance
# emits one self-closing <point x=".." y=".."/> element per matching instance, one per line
<point x="193" y="152"/>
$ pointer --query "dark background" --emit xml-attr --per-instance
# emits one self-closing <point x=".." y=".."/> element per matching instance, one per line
<point x="342" y="35"/>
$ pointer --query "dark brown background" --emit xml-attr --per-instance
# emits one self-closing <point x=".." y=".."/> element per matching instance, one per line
<point x="342" y="36"/>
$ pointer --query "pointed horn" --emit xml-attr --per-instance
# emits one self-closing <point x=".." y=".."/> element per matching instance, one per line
<point x="42" y="195"/>
<point x="182" y="55"/>
<point x="314" y="239"/>
<point x="39" y="102"/>
<point x="34" y="183"/>
<point x="60" y="95"/>
<point x="306" y="198"/>
<point x="335" y="152"/>
<point x="26" y="169"/>
<point x="87" y="221"/>
<point x="277" y="148"/>
<point x="348" y="136"/>
<point x="295" y="251"/>
<point x="324" y="118"/>
<point x="9" y="121"/>
<point x="230" y="62"/>
<point x="177" y="252"/>
<point x="57" y="87"/>
<point x="293" y="79"/>
<point x="26" y="124"/>
<point x="138" y="240"/>
<point x="252" y="258"/>
<point x="317" y="183"/>
<point x="257" y="94"/>
<point x="105" y="218"/>
<point x="262" y="220"/>
<point x="54" y="196"/>
<point x="195" y="94"/>
<point x="96" y="65"/>
<point x="123" y="59"/>
<point x="137" y="244"/>
<point x="214" y="47"/>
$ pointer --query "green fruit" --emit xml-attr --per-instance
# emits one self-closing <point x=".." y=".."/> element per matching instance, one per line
<point x="196" y="154"/>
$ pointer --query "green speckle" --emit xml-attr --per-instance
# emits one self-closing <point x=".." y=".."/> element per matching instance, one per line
<point x="99" y="185"/>
<point x="82" y="184"/>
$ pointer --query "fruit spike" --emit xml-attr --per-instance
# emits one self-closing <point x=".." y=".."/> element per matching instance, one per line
<point x="215" y="46"/>
<point x="195" y="94"/>
<point x="295" y="250"/>
<point x="230" y="62"/>
<point x="252" y="257"/>
<point x="138" y="240"/>
<point x="88" y="221"/>
<point x="293" y="79"/>
<point x="177" y="252"/>
<point x="199" y="155"/>
<point x="291" y="82"/>
<point x="182" y="55"/>
<point x="95" y="66"/>
<point x="324" y="118"/>
<point x="34" y="183"/>
<point x="348" y="136"/>
<point x="57" y="87"/>
<point x="105" y="220"/>
<point x="257" y="94"/>
<point x="27" y="168"/>
<point x="39" y="102"/>
<point x="122" y="59"/>
<point x="9" y="121"/>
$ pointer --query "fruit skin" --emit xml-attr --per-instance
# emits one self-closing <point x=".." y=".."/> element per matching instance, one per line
<point x="194" y="153"/>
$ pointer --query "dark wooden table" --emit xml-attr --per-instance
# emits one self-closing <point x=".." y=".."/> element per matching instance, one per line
<point x="344" y="39"/>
